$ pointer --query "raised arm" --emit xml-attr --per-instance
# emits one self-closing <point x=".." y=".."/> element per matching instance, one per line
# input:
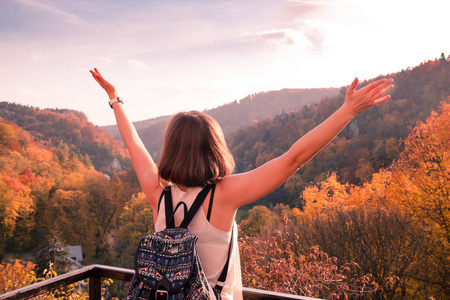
<point x="144" y="166"/>
<point x="247" y="187"/>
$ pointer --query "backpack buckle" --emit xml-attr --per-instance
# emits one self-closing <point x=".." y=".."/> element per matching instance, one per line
<point x="161" y="295"/>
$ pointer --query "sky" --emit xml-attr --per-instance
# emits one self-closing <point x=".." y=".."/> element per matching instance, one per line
<point x="168" y="56"/>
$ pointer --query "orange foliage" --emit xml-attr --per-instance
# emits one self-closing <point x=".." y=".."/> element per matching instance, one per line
<point x="422" y="176"/>
<point x="21" y="274"/>
<point x="273" y="264"/>
<point x="325" y="197"/>
<point x="17" y="275"/>
<point x="13" y="183"/>
<point x="413" y="195"/>
<point x="51" y="185"/>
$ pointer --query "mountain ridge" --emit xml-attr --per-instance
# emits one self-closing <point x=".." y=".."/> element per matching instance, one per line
<point x="233" y="115"/>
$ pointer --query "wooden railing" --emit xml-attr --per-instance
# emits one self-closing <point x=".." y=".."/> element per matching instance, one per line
<point x="95" y="273"/>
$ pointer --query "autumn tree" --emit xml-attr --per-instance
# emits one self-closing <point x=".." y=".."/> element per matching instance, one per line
<point x="135" y="221"/>
<point x="257" y="222"/>
<point x="421" y="183"/>
<point x="395" y="225"/>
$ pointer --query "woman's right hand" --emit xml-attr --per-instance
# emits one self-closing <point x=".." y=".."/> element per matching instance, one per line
<point x="108" y="87"/>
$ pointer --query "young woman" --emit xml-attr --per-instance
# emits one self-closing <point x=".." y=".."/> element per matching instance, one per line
<point x="195" y="154"/>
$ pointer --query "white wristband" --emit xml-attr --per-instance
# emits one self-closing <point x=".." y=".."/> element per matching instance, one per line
<point x="114" y="100"/>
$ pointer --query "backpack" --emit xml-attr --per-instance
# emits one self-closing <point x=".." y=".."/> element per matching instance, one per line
<point x="166" y="263"/>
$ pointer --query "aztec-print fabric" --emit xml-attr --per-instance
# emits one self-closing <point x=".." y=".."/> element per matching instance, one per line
<point x="167" y="261"/>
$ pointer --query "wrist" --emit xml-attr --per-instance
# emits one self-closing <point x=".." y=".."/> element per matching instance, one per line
<point x="347" y="111"/>
<point x="114" y="101"/>
<point x="113" y="94"/>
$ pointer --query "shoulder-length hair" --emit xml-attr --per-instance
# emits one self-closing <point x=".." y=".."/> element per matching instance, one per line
<point x="194" y="151"/>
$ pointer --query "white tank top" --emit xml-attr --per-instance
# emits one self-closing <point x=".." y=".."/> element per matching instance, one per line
<point x="212" y="244"/>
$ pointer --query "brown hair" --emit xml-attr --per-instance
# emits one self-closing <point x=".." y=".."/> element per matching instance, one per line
<point x="194" y="151"/>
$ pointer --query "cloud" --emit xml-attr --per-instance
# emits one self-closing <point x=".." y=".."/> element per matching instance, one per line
<point x="138" y="64"/>
<point x="106" y="59"/>
<point x="280" y="37"/>
<point x="52" y="11"/>
<point x="316" y="32"/>
<point x="315" y="2"/>
<point x="171" y="86"/>
<point x="39" y="56"/>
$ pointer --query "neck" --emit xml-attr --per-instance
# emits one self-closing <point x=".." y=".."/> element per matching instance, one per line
<point x="182" y="187"/>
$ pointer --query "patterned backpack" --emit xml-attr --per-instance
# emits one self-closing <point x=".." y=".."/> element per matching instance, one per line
<point x="166" y="263"/>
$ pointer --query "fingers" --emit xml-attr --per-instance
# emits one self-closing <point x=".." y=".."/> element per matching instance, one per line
<point x="387" y="89"/>
<point x="97" y="76"/>
<point x="376" y="84"/>
<point x="353" y="86"/>
<point x="382" y="89"/>
<point x="95" y="73"/>
<point x="98" y="73"/>
<point x="381" y="100"/>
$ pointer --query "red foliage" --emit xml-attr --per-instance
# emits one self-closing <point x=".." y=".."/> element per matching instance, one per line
<point x="274" y="264"/>
<point x="27" y="177"/>
<point x="13" y="183"/>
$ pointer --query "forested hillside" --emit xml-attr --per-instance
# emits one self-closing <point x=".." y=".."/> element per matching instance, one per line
<point x="235" y="115"/>
<point x="71" y="129"/>
<point x="372" y="140"/>
<point x="386" y="239"/>
<point x="51" y="192"/>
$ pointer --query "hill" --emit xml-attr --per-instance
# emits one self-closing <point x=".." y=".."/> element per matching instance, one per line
<point x="372" y="140"/>
<point x="235" y="115"/>
<point x="49" y="192"/>
<point x="72" y="129"/>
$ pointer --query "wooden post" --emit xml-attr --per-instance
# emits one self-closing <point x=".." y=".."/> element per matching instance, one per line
<point x="95" y="286"/>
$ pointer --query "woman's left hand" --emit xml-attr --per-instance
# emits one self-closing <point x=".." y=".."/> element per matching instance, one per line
<point x="108" y="87"/>
<point x="357" y="101"/>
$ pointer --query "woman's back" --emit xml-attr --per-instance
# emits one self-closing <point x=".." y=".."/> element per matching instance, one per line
<point x="212" y="244"/>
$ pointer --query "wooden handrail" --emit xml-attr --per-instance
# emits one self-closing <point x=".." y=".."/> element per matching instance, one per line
<point x="95" y="273"/>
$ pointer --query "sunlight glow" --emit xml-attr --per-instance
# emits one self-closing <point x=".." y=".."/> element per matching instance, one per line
<point x="172" y="55"/>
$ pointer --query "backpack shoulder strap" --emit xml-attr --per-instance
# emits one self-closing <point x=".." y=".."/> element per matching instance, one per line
<point x="196" y="205"/>
<point x="161" y="197"/>
<point x="223" y="276"/>
<point x="167" y="194"/>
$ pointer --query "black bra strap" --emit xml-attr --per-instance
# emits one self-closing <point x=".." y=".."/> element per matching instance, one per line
<point x="188" y="214"/>
<point x="172" y="221"/>
<point x="211" y="198"/>
<point x="160" y="199"/>
<point x="196" y="205"/>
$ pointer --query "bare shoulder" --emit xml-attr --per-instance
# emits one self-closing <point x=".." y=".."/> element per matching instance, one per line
<point x="243" y="188"/>
<point x="153" y="196"/>
<point x="223" y="211"/>
<point x="231" y="192"/>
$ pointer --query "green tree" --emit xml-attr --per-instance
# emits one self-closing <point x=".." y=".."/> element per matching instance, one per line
<point x="135" y="221"/>
<point x="55" y="253"/>
<point x="258" y="221"/>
